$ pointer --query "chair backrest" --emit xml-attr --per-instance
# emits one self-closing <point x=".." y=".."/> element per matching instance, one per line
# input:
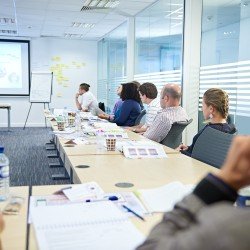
<point x="138" y="119"/>
<point x="212" y="146"/>
<point x="101" y="106"/>
<point x="174" y="137"/>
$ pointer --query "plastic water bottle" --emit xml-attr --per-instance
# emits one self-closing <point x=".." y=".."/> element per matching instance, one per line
<point x="78" y="121"/>
<point x="65" y="115"/>
<point x="4" y="175"/>
<point x="100" y="139"/>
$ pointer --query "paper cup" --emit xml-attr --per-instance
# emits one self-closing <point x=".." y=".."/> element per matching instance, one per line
<point x="61" y="126"/>
<point x="71" y="121"/>
<point x="110" y="143"/>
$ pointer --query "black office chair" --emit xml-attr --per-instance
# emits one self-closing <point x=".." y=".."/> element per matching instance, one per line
<point x="101" y="106"/>
<point x="138" y="119"/>
<point x="174" y="136"/>
<point x="212" y="146"/>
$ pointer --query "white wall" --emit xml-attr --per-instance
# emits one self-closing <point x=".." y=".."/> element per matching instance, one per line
<point x="42" y="52"/>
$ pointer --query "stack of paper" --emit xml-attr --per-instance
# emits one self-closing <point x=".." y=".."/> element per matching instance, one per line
<point x="92" y="226"/>
<point x="164" y="198"/>
<point x="82" y="192"/>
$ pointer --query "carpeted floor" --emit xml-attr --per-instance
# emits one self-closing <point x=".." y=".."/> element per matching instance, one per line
<point x="28" y="156"/>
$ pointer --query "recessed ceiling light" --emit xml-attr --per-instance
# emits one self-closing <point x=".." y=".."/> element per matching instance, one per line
<point x="82" y="25"/>
<point x="12" y="32"/>
<point x="7" y="20"/>
<point x="69" y="35"/>
<point x="99" y="4"/>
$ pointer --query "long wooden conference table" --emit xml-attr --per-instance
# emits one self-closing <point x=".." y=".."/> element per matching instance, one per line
<point x="107" y="169"/>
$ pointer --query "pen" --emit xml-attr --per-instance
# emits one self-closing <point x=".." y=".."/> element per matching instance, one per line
<point x="109" y="198"/>
<point x="133" y="212"/>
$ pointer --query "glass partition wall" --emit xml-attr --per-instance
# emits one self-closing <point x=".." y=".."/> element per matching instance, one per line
<point x="112" y="62"/>
<point x="158" y="43"/>
<point x="225" y="56"/>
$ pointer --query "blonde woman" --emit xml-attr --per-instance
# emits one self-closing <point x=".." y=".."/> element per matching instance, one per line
<point x="215" y="106"/>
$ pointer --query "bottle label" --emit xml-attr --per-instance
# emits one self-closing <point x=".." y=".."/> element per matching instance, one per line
<point x="4" y="171"/>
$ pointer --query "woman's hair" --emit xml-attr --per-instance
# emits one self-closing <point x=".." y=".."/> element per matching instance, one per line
<point x="130" y="91"/>
<point x="84" y="86"/>
<point x="148" y="89"/>
<point x="217" y="98"/>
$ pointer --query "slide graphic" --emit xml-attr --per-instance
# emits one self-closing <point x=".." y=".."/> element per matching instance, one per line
<point x="10" y="66"/>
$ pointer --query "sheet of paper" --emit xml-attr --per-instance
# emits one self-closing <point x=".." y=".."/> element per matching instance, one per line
<point x="94" y="226"/>
<point x="83" y="192"/>
<point x="164" y="198"/>
<point x="129" y="199"/>
<point x="46" y="200"/>
<point x="144" y="151"/>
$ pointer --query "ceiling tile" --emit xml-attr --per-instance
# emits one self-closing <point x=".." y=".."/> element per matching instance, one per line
<point x="50" y="17"/>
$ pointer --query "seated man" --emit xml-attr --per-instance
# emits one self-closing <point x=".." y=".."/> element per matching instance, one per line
<point x="171" y="112"/>
<point x="148" y="94"/>
<point x="88" y="101"/>
<point x="207" y="219"/>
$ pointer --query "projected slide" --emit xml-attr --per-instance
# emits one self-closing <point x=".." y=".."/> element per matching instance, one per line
<point x="14" y="67"/>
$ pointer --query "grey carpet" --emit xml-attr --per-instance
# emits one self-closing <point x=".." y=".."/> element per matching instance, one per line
<point x="26" y="151"/>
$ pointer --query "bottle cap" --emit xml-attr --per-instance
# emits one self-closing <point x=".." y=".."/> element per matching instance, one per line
<point x="1" y="149"/>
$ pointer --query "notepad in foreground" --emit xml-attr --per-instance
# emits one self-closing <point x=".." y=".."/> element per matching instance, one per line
<point x="97" y="225"/>
<point x="163" y="199"/>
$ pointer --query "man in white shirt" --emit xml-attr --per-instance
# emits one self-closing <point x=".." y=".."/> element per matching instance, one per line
<point x="88" y="101"/>
<point x="171" y="112"/>
<point x="148" y="94"/>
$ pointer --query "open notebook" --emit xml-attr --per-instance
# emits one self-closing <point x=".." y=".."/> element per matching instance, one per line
<point x="96" y="225"/>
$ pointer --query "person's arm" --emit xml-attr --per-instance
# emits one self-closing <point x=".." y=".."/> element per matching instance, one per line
<point x="124" y="114"/>
<point x="180" y="229"/>
<point x="186" y="228"/>
<point x="78" y="104"/>
<point x="86" y="102"/>
<point x="136" y="128"/>
<point x="158" y="130"/>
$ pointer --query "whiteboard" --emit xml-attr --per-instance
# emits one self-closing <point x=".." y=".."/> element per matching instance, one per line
<point x="41" y="87"/>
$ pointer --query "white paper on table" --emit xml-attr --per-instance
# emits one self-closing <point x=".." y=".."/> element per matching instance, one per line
<point x="144" y="151"/>
<point x="116" y="134"/>
<point x="120" y="144"/>
<point x="129" y="199"/>
<point x="105" y="125"/>
<point x="163" y="199"/>
<point x="92" y="226"/>
<point x="46" y="200"/>
<point x="80" y="141"/>
<point x="85" y="191"/>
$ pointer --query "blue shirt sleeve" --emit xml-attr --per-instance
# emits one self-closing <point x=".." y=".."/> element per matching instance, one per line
<point x="124" y="113"/>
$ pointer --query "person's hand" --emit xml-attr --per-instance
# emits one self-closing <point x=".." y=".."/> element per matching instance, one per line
<point x="236" y="168"/>
<point x="130" y="128"/>
<point x="182" y="147"/>
<point x="103" y="116"/>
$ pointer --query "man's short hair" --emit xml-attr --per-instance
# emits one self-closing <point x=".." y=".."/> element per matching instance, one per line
<point x="149" y="90"/>
<point x="171" y="92"/>
<point x="84" y="86"/>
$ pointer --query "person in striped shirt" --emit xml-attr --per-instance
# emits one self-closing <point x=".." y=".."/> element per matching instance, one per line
<point x="148" y="94"/>
<point x="171" y="112"/>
